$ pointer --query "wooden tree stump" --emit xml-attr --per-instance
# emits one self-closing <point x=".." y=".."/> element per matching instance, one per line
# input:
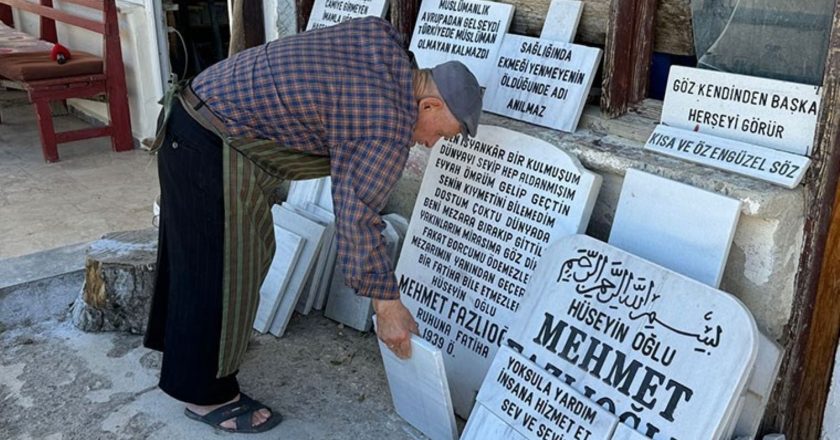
<point x="119" y="282"/>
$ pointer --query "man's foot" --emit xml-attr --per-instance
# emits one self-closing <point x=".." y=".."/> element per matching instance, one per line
<point x="234" y="410"/>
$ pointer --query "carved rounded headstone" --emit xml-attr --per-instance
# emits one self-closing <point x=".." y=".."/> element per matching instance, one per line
<point x="119" y="282"/>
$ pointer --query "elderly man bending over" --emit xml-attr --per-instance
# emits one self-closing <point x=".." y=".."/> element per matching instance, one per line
<point x="344" y="101"/>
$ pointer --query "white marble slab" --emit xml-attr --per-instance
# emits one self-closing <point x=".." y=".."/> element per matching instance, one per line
<point x="327" y="13"/>
<point x="678" y="226"/>
<point x="652" y="344"/>
<point x="760" y="111"/>
<point x="317" y="191"/>
<point x="484" y="425"/>
<point x="324" y="285"/>
<point x="536" y="404"/>
<point x="469" y="31"/>
<point x="321" y="270"/>
<point x="344" y="306"/>
<point x="540" y="81"/>
<point x="759" y="387"/>
<point x="282" y="266"/>
<point x="419" y="389"/>
<point x="774" y="166"/>
<point x="486" y="210"/>
<point x="561" y="20"/>
<point x="312" y="234"/>
<point x="624" y="432"/>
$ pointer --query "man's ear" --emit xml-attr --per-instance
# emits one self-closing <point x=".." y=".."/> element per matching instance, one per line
<point x="431" y="103"/>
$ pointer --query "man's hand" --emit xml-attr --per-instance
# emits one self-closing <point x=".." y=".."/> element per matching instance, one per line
<point x="394" y="326"/>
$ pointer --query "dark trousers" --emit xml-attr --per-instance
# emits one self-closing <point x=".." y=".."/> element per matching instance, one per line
<point x="186" y="315"/>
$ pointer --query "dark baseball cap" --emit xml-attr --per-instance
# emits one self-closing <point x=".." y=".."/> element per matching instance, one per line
<point x="461" y="92"/>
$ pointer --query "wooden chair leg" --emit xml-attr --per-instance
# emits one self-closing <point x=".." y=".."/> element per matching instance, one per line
<point x="121" y="139"/>
<point x="49" y="146"/>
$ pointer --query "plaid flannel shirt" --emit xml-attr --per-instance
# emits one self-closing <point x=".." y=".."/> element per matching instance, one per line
<point x="345" y="92"/>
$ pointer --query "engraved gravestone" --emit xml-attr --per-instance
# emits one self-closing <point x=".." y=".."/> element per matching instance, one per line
<point x="486" y="211"/>
<point x="523" y="397"/>
<point x="668" y="355"/>
<point x="327" y="13"/>
<point x="760" y="111"/>
<point x="540" y="81"/>
<point x="467" y="31"/>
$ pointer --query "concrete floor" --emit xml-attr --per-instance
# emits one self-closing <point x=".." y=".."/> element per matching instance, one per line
<point x="90" y="192"/>
<point x="57" y="382"/>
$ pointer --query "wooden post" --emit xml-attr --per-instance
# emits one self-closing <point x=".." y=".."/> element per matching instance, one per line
<point x="403" y="17"/>
<point x="627" y="56"/>
<point x="799" y="400"/>
<point x="304" y="9"/>
<point x="252" y="14"/>
<point x="6" y="15"/>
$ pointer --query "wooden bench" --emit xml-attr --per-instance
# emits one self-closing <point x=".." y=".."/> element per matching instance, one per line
<point x="25" y="61"/>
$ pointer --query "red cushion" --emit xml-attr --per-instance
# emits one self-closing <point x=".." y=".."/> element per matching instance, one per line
<point x="38" y="65"/>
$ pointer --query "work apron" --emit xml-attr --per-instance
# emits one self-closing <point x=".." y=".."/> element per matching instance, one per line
<point x="252" y="170"/>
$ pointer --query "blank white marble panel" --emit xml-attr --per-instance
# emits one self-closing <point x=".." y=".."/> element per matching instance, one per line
<point x="320" y="270"/>
<point x="419" y="389"/>
<point x="678" y="226"/>
<point x="282" y="266"/>
<point x="561" y="21"/>
<point x="312" y="233"/>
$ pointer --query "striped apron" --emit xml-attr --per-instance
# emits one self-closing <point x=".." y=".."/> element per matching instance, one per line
<point x="252" y="169"/>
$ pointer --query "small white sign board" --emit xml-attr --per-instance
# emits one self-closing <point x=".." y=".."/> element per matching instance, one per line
<point x="774" y="166"/>
<point x="469" y="31"/>
<point x="540" y="81"/>
<point x="770" y="113"/>
<point x="486" y="210"/>
<point x="419" y="389"/>
<point x="561" y="21"/>
<point x="678" y="226"/>
<point x="287" y="250"/>
<point x="536" y="404"/>
<point x="327" y="13"/>
<point x="649" y="343"/>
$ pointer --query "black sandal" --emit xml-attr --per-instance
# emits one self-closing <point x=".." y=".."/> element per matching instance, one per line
<point x="243" y="410"/>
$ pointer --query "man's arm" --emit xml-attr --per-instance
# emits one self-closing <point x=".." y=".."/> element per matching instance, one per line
<point x="363" y="176"/>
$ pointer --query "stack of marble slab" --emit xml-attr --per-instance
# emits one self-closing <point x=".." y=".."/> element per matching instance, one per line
<point x="299" y="276"/>
<point x="343" y="305"/>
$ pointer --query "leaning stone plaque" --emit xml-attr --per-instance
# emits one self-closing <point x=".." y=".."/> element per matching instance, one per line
<point x="540" y="81"/>
<point x="766" y="164"/>
<point x="467" y="31"/>
<point x="486" y="211"/>
<point x="327" y="13"/>
<point x="561" y="20"/>
<point x="668" y="355"/>
<point x="766" y="112"/>
<point x="535" y="404"/>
